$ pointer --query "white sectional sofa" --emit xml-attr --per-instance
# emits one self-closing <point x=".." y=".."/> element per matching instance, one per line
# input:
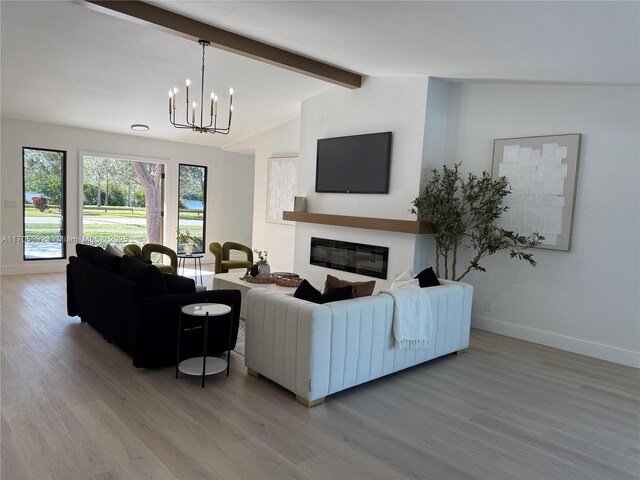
<point x="316" y="350"/>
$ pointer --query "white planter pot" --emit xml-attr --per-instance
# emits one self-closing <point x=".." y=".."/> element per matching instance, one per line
<point x="264" y="270"/>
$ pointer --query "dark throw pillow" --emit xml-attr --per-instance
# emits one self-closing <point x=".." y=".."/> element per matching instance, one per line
<point x="85" y="252"/>
<point x="106" y="261"/>
<point x="147" y="276"/>
<point x="360" y="289"/>
<point x="427" y="278"/>
<point x="308" y="292"/>
<point x="342" y="293"/>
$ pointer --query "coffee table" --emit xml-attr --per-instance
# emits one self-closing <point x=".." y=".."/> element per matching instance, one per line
<point x="233" y="280"/>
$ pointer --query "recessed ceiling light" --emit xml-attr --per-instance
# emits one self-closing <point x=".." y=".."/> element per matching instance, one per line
<point x="139" y="127"/>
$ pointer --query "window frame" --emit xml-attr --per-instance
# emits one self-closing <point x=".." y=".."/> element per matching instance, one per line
<point x="204" y="203"/>
<point x="63" y="229"/>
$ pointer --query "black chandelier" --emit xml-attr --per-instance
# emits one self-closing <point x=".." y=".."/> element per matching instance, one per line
<point x="201" y="127"/>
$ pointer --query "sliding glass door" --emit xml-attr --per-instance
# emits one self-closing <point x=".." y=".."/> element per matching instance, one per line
<point x="123" y="201"/>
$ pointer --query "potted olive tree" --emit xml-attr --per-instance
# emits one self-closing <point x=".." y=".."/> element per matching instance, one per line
<point x="463" y="212"/>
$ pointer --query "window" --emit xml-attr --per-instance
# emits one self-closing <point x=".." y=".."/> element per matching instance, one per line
<point x="123" y="200"/>
<point x="192" y="201"/>
<point x="44" y="192"/>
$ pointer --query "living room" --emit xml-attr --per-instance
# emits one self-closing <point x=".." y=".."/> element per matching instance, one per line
<point x="560" y="341"/>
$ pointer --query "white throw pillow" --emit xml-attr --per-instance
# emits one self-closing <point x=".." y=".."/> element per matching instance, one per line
<point x="404" y="279"/>
<point x="115" y="250"/>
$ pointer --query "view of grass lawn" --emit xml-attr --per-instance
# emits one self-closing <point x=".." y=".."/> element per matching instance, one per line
<point x="117" y="225"/>
<point x="120" y="226"/>
<point x="121" y="204"/>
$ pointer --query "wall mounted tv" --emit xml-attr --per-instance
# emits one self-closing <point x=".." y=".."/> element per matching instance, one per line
<point x="355" y="164"/>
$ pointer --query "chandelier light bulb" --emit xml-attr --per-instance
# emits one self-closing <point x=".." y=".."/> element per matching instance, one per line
<point x="188" y="82"/>
<point x="231" y="91"/>
<point x="170" y="93"/>
<point x="175" y="90"/>
<point x="213" y="96"/>
<point x="231" y="108"/>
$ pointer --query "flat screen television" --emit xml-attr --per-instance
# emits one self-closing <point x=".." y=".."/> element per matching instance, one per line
<point x="354" y="164"/>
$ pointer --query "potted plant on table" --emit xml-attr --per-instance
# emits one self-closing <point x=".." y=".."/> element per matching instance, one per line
<point x="185" y="244"/>
<point x="262" y="263"/>
<point x="463" y="213"/>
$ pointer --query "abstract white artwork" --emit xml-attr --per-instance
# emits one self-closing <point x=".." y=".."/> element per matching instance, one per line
<point x="282" y="178"/>
<point x="542" y="173"/>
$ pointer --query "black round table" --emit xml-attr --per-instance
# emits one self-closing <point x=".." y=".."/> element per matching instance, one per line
<point x="197" y="264"/>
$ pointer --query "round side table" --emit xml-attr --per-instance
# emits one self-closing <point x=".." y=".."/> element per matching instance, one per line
<point x="197" y="264"/>
<point x="203" y="365"/>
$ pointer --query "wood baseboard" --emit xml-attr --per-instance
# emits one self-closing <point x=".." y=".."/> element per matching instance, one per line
<point x="253" y="373"/>
<point x="309" y="404"/>
<point x="460" y="352"/>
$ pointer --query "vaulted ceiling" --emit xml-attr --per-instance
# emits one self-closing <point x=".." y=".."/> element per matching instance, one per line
<point x="65" y="64"/>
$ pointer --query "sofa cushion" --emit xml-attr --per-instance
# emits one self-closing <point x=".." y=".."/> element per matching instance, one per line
<point x="308" y="292"/>
<point x="428" y="278"/>
<point x="139" y="258"/>
<point x="360" y="289"/>
<point x="106" y="261"/>
<point x="85" y="252"/>
<point x="179" y="284"/>
<point x="150" y="279"/>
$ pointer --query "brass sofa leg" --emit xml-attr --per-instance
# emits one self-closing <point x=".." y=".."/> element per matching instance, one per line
<point x="309" y="404"/>
<point x="253" y="373"/>
<point x="460" y="352"/>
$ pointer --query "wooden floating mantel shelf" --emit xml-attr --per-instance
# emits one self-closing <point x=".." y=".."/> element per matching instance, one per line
<point x="386" y="224"/>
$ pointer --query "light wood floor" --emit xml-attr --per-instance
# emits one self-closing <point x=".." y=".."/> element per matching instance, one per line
<point x="73" y="406"/>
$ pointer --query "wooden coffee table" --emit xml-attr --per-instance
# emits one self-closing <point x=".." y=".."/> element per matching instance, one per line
<point x="233" y="280"/>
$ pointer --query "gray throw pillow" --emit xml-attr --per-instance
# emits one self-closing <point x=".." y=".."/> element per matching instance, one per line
<point x="114" y="250"/>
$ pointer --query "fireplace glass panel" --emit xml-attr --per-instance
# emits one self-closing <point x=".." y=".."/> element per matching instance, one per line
<point x="370" y="260"/>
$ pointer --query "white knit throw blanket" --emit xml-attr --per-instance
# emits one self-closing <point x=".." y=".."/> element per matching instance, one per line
<point x="412" y="317"/>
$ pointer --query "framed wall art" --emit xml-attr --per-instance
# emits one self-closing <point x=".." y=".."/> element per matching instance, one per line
<point x="542" y="173"/>
<point x="282" y="175"/>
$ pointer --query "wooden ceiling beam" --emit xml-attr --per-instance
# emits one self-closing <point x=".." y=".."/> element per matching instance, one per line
<point x="147" y="14"/>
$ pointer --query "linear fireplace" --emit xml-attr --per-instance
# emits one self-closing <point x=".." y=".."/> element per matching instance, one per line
<point x="359" y="258"/>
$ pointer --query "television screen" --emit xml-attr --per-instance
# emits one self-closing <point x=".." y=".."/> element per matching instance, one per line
<point x="355" y="164"/>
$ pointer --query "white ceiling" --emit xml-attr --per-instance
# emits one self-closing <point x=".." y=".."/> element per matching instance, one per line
<point x="65" y="64"/>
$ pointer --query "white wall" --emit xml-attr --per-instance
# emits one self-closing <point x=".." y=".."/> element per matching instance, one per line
<point x="585" y="300"/>
<point x="433" y="145"/>
<point x="395" y="104"/>
<point x="277" y="239"/>
<point x="229" y="188"/>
